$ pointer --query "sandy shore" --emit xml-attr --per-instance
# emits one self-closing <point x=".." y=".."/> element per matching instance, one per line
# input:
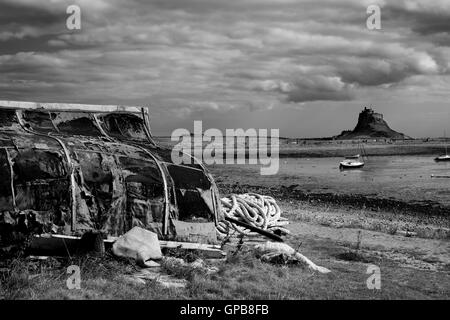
<point x="351" y="214"/>
<point x="345" y="236"/>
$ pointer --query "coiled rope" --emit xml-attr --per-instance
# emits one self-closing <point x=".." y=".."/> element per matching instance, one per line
<point x="257" y="210"/>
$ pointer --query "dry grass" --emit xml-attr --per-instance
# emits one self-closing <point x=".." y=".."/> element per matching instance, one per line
<point x="241" y="276"/>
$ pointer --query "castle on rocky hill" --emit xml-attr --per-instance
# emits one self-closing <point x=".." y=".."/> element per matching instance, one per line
<point x="371" y="125"/>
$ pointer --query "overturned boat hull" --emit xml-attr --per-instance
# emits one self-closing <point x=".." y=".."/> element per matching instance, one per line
<point x="70" y="169"/>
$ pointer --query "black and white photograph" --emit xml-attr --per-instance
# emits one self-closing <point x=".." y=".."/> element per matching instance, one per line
<point x="243" y="151"/>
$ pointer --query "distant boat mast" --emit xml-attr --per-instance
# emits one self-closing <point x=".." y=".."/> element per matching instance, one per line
<point x="445" y="141"/>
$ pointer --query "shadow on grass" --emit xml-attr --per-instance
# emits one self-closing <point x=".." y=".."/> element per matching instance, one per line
<point x="353" y="256"/>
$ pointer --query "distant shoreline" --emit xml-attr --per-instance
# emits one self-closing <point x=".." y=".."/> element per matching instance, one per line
<point x="371" y="150"/>
<point x="300" y="148"/>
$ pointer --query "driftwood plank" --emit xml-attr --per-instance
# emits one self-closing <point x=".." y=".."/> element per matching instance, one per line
<point x="265" y="233"/>
<point x="55" y="243"/>
<point x="440" y="176"/>
<point x="62" y="243"/>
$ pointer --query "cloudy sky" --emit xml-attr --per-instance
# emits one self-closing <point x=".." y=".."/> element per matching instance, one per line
<point x="306" y="67"/>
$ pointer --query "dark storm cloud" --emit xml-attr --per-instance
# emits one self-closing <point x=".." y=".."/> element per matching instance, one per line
<point x="420" y="20"/>
<point x="216" y="55"/>
<point x="313" y="89"/>
<point x="20" y="14"/>
<point x="310" y="88"/>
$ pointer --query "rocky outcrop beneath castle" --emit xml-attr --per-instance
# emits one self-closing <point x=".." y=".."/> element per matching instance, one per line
<point x="371" y="125"/>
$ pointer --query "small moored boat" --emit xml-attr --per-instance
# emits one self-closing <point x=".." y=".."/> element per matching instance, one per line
<point x="351" y="164"/>
<point x="354" y="161"/>
<point x="445" y="157"/>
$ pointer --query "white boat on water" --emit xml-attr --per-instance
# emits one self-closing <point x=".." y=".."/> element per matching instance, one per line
<point x="351" y="164"/>
<point x="354" y="161"/>
<point x="445" y="157"/>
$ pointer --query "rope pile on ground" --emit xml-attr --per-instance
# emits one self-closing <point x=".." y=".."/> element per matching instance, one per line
<point x="254" y="209"/>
